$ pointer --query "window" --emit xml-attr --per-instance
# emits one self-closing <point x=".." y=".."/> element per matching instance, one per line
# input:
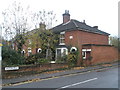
<point x="64" y="51"/>
<point x="60" y="52"/>
<point x="73" y="49"/>
<point x="84" y="55"/>
<point x="62" y="38"/>
<point x="39" y="50"/>
<point x="29" y="41"/>
<point x="23" y="52"/>
<point x="71" y="37"/>
<point x="29" y="51"/>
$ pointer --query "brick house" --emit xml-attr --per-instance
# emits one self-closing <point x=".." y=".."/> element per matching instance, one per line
<point x="31" y="37"/>
<point x="90" y="41"/>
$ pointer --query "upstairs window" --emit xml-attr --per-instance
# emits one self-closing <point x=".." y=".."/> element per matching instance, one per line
<point x="62" y="38"/>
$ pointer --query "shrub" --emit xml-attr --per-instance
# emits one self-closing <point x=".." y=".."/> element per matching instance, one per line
<point x="42" y="61"/>
<point x="72" y="58"/>
<point x="32" y="59"/>
<point x="11" y="57"/>
<point x="62" y="59"/>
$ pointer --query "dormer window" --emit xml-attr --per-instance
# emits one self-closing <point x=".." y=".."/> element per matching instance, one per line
<point x="62" y="38"/>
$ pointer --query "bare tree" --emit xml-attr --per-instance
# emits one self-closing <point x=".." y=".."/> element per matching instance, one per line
<point x="16" y="23"/>
<point x="46" y="17"/>
<point x="15" y="20"/>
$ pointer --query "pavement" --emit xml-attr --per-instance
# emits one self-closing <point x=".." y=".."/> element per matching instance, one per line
<point x="7" y="82"/>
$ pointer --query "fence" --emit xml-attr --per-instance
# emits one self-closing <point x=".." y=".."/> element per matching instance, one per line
<point x="32" y="69"/>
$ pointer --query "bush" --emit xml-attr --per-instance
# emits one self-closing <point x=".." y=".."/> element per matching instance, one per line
<point x="62" y="59"/>
<point x="11" y="57"/>
<point x="32" y="59"/>
<point x="42" y="61"/>
<point x="72" y="58"/>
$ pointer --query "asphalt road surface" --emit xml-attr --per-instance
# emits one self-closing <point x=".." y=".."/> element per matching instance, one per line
<point x="107" y="78"/>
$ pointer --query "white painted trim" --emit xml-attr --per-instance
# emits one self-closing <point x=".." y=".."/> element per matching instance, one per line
<point x="83" y="50"/>
<point x="29" y="48"/>
<point x="85" y="54"/>
<point x="62" y="32"/>
<point x="29" y="51"/>
<point x="23" y="51"/>
<point x="62" y="49"/>
<point x="86" y="50"/>
<point x="73" y="48"/>
<point x="52" y="62"/>
<point x="62" y="44"/>
<point x="39" y="49"/>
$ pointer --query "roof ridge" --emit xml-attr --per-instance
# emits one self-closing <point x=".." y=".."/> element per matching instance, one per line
<point x="74" y="23"/>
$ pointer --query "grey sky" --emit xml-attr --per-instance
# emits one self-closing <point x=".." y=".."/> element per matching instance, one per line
<point x="101" y="13"/>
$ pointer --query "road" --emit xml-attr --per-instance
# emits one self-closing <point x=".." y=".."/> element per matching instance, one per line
<point x="107" y="78"/>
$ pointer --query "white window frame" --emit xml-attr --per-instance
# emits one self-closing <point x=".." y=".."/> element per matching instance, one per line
<point x="62" y="33"/>
<point x="62" y="50"/>
<point x="38" y="50"/>
<point x="29" y="51"/>
<point x="73" y="48"/>
<point x="86" y="49"/>
<point x="23" y="51"/>
<point x="29" y="40"/>
<point x="83" y="54"/>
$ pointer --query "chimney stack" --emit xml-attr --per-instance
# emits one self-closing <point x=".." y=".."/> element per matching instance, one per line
<point x="42" y="26"/>
<point x="66" y="16"/>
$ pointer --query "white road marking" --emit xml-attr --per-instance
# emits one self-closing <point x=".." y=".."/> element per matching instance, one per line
<point x="79" y="83"/>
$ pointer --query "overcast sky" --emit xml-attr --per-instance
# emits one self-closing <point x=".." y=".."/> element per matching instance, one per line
<point x="101" y="13"/>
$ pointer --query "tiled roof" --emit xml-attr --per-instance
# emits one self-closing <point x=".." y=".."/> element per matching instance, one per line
<point x="76" y="25"/>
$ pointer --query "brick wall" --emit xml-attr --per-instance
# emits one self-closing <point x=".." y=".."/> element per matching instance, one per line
<point x="31" y="70"/>
<point x="102" y="54"/>
<point x="81" y="37"/>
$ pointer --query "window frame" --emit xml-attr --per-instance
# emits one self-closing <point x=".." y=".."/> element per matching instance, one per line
<point x="62" y="38"/>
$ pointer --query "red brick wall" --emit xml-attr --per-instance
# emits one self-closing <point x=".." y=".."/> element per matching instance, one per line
<point x="81" y="37"/>
<point x="102" y="54"/>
